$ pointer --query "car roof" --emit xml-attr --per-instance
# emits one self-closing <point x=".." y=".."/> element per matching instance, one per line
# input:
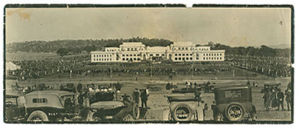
<point x="232" y="87"/>
<point x="52" y="92"/>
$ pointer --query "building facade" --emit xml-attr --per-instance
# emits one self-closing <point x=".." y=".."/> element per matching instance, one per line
<point x="176" y="52"/>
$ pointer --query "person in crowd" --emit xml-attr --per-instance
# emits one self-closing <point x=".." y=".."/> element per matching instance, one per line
<point x="288" y="98"/>
<point x="144" y="98"/>
<point x="197" y="95"/>
<point x="136" y="96"/>
<point x="280" y="98"/>
<point x="267" y="99"/>
<point x="126" y="98"/>
<point x="205" y="109"/>
<point x="273" y="98"/>
<point x="186" y="84"/>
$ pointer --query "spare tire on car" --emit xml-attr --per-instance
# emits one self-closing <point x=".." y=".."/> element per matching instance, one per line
<point x="234" y="112"/>
<point x="182" y="112"/>
<point x="37" y="116"/>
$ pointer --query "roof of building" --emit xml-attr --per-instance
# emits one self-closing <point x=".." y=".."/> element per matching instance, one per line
<point x="157" y="49"/>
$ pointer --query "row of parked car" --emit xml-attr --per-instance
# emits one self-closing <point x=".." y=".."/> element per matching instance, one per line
<point x="232" y="103"/>
<point x="58" y="105"/>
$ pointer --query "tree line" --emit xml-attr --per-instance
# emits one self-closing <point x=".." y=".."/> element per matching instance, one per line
<point x="64" y="47"/>
<point x="77" y="46"/>
<point x="263" y="50"/>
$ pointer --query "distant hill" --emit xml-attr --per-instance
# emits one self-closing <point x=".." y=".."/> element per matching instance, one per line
<point x="79" y="45"/>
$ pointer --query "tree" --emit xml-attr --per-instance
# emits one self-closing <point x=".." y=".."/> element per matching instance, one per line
<point x="62" y="52"/>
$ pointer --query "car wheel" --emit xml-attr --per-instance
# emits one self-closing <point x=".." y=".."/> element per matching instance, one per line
<point x="235" y="112"/>
<point x="182" y="112"/>
<point x="135" y="111"/>
<point x="37" y="116"/>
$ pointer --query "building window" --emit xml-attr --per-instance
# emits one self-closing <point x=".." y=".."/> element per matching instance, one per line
<point x="151" y="54"/>
<point x="220" y="58"/>
<point x="123" y="54"/>
<point x="179" y="54"/>
<point x="134" y="54"/>
<point x="191" y="58"/>
<point x="203" y="58"/>
<point x="175" y="54"/>
<point x="123" y="59"/>
<point x="157" y="54"/>
<point x="191" y="54"/>
<point x="162" y="54"/>
<point x="197" y="58"/>
<point x="187" y="58"/>
<point x="183" y="54"/>
<point x="175" y="58"/>
<point x="179" y="58"/>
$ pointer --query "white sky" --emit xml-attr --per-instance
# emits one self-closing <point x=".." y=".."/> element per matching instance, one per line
<point x="231" y="26"/>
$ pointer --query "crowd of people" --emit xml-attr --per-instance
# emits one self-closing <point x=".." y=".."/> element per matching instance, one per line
<point x="34" y="69"/>
<point x="270" y="66"/>
<point x="142" y="95"/>
<point x="274" y="97"/>
<point x="80" y="65"/>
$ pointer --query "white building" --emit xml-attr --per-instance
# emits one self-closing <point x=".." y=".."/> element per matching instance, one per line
<point x="177" y="52"/>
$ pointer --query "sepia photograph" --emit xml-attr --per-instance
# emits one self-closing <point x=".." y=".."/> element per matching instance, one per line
<point x="138" y="64"/>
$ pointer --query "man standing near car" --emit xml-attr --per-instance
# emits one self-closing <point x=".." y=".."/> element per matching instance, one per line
<point x="280" y="98"/>
<point x="288" y="98"/>
<point x="197" y="95"/>
<point x="136" y="96"/>
<point x="144" y="98"/>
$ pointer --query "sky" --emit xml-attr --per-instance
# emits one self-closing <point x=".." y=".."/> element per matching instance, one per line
<point x="230" y="26"/>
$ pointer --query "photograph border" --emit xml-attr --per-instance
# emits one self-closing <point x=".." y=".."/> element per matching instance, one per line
<point x="151" y="6"/>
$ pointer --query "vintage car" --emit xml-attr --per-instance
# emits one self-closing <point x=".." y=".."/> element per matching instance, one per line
<point x="56" y="105"/>
<point x="47" y="105"/>
<point x="206" y="88"/>
<point x="68" y="87"/>
<point x="12" y="111"/>
<point x="185" y="107"/>
<point x="106" y="108"/>
<point x="234" y="103"/>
